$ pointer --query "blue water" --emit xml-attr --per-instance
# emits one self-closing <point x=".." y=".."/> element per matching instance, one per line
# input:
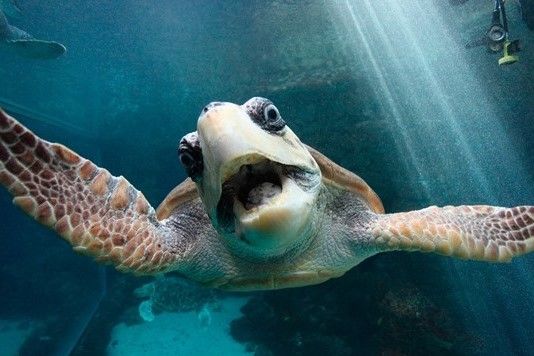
<point x="384" y="88"/>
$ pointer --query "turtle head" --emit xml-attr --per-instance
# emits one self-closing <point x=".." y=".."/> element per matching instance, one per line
<point x="257" y="181"/>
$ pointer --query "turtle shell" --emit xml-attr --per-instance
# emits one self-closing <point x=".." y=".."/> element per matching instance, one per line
<point x="181" y="194"/>
<point x="335" y="175"/>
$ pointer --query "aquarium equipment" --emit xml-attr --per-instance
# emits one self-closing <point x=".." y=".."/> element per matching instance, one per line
<point x="497" y="39"/>
<point x="510" y="48"/>
<point x="499" y="33"/>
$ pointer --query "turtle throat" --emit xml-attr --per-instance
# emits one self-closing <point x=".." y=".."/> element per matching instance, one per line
<point x="257" y="184"/>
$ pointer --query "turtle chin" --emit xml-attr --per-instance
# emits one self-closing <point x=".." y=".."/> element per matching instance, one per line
<point x="266" y="208"/>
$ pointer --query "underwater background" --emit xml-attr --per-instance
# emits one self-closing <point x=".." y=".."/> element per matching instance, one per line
<point x="385" y="88"/>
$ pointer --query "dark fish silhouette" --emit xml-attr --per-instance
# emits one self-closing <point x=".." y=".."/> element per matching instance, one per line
<point x="22" y="43"/>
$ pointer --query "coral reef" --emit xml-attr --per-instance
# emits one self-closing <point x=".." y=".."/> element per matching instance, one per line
<point x="366" y="312"/>
<point x="145" y="310"/>
<point x="407" y="314"/>
<point x="171" y="294"/>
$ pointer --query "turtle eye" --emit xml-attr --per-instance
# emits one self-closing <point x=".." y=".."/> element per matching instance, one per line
<point x="273" y="119"/>
<point x="271" y="113"/>
<point x="190" y="155"/>
<point x="262" y="112"/>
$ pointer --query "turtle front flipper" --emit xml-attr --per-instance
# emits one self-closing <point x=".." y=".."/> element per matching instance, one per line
<point x="98" y="214"/>
<point x="469" y="232"/>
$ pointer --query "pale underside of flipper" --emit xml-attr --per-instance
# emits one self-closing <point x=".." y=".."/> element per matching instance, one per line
<point x="36" y="49"/>
<point x="98" y="214"/>
<point x="480" y="232"/>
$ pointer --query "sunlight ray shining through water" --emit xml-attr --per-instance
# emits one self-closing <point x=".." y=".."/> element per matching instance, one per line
<point x="430" y="92"/>
<point x="429" y="89"/>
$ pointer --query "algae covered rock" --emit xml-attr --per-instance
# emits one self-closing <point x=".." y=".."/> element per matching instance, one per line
<point x="171" y="294"/>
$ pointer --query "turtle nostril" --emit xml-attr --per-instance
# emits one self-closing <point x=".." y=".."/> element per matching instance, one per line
<point x="211" y="105"/>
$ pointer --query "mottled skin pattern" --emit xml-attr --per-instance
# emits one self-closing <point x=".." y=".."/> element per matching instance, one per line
<point x="107" y="218"/>
<point x="481" y="232"/>
<point x="98" y="214"/>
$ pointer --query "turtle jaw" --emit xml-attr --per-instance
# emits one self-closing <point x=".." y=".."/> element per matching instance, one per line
<point x="266" y="207"/>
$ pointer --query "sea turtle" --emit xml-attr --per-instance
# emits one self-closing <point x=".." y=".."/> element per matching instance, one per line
<point x="24" y="44"/>
<point x="260" y="210"/>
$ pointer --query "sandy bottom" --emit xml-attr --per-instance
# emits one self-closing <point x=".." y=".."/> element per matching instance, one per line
<point x="12" y="335"/>
<point x="181" y="334"/>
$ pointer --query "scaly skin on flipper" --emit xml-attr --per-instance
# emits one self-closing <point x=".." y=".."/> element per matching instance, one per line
<point x="98" y="214"/>
<point x="480" y="232"/>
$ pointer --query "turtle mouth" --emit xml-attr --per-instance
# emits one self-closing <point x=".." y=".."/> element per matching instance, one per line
<point x="256" y="186"/>
<point x="252" y="186"/>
